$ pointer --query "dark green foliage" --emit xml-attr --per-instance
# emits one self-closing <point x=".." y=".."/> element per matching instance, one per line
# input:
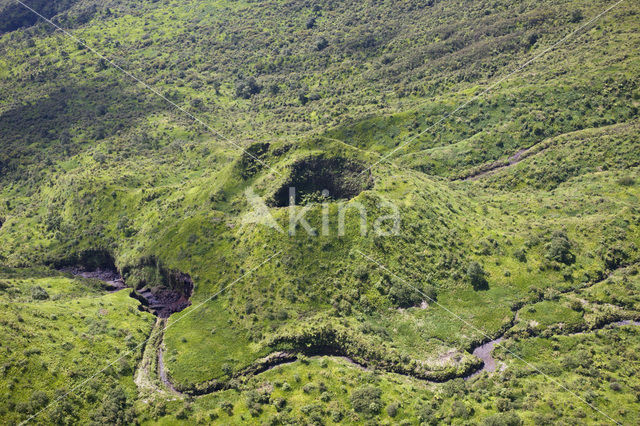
<point x="321" y="43"/>
<point x="477" y="276"/>
<point x="38" y="293"/>
<point x="90" y="158"/>
<point x="14" y="16"/>
<point x="615" y="256"/>
<point x="114" y="409"/>
<point x="461" y="410"/>
<point x="404" y="296"/>
<point x="626" y="181"/>
<point x="503" y="419"/>
<point x="559" y="248"/>
<point x="366" y="399"/>
<point x="520" y="255"/>
<point x="341" y="177"/>
<point x="392" y="409"/>
<point x="252" y="159"/>
<point x="247" y="87"/>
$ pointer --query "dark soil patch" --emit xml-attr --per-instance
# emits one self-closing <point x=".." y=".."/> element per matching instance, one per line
<point x="112" y="279"/>
<point x="319" y="178"/>
<point x="163" y="301"/>
<point x="94" y="264"/>
<point x="160" y="291"/>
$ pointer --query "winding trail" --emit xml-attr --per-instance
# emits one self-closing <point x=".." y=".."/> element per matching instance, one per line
<point x="152" y="374"/>
<point x="162" y="372"/>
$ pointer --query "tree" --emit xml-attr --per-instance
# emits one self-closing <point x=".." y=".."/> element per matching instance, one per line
<point x="392" y="409"/>
<point x="477" y="276"/>
<point x="247" y="87"/>
<point x="366" y="399"/>
<point x="405" y="296"/>
<point x="311" y="22"/>
<point x="503" y="419"/>
<point x="39" y="293"/>
<point x="115" y="409"/>
<point x="559" y="249"/>
<point x="321" y="43"/>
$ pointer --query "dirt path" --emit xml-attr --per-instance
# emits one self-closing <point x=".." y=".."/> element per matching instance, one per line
<point x="151" y="376"/>
<point x="162" y="372"/>
<point x="494" y="167"/>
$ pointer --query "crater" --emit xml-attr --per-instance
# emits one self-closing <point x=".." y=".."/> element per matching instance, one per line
<point x="159" y="290"/>
<point x="319" y="178"/>
<point x="164" y="301"/>
<point x="97" y="264"/>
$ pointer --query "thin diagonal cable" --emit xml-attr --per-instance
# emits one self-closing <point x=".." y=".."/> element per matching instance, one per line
<point x="380" y="265"/>
<point x="146" y="86"/>
<point x="493" y="85"/>
<point x="84" y="382"/>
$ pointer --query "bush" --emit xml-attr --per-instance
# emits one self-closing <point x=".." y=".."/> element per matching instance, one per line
<point x="38" y="400"/>
<point x="615" y="256"/>
<point x="366" y="399"/>
<point x="576" y="16"/>
<point x="115" y="409"/>
<point x="626" y="181"/>
<point x="321" y="43"/>
<point x="559" y="249"/>
<point x="503" y="419"/>
<point x="460" y="410"/>
<point x="39" y="293"/>
<point x="247" y="87"/>
<point x="392" y="409"/>
<point x="227" y="407"/>
<point x="520" y="255"/>
<point x="404" y="296"/>
<point x="477" y="276"/>
<point x="311" y="22"/>
<point x="503" y="404"/>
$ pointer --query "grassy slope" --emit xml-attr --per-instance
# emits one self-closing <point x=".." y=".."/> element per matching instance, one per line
<point x="139" y="180"/>
<point x="51" y="346"/>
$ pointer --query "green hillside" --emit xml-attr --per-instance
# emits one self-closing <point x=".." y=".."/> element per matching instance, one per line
<point x="468" y="171"/>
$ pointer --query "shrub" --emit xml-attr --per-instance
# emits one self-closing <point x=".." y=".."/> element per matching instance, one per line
<point x="39" y="293"/>
<point x="311" y="22"/>
<point x="38" y="400"/>
<point x="503" y="404"/>
<point x="503" y="419"/>
<point x="626" y="181"/>
<point x="477" y="276"/>
<point x="184" y="412"/>
<point x="520" y="255"/>
<point x="227" y="407"/>
<point x="615" y="256"/>
<point x="247" y="87"/>
<point x="576" y="306"/>
<point x="392" y="409"/>
<point x="366" y="399"/>
<point x="559" y="249"/>
<point x="459" y="409"/>
<point x="321" y="43"/>
<point x="404" y="296"/>
<point x="576" y="16"/>
<point x="115" y="409"/>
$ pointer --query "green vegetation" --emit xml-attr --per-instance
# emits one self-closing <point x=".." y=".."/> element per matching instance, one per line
<point x="518" y="214"/>
<point x="52" y="345"/>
